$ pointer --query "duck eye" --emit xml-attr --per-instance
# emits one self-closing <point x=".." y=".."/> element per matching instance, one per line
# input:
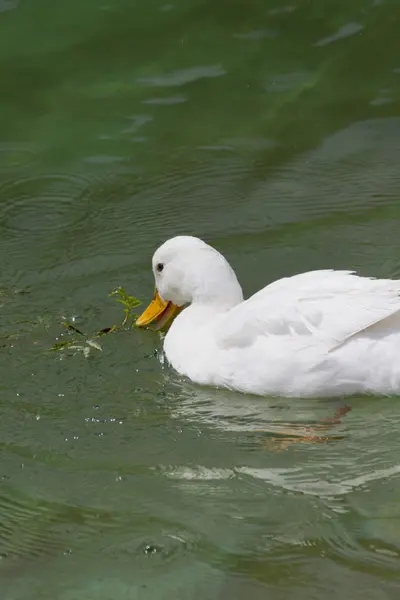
<point x="160" y="267"/>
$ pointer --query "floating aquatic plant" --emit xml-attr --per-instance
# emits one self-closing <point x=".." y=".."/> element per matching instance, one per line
<point x="130" y="303"/>
<point x="84" y="343"/>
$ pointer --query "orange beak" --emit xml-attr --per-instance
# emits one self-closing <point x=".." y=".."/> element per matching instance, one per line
<point x="159" y="314"/>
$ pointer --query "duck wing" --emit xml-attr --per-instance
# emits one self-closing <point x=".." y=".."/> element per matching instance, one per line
<point x="325" y="306"/>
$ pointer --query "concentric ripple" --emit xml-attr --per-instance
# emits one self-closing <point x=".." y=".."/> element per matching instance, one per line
<point x="43" y="203"/>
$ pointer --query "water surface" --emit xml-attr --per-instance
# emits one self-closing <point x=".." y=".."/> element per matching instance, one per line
<point x="271" y="130"/>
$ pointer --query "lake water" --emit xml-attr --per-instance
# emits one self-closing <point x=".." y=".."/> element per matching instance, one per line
<point x="272" y="131"/>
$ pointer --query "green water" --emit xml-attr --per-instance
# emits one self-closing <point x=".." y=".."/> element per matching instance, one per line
<point x="273" y="132"/>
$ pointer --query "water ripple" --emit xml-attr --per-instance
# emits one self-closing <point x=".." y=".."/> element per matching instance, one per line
<point x="344" y="32"/>
<point x="288" y="479"/>
<point x="43" y="203"/>
<point x="183" y="76"/>
<point x="6" y="5"/>
<point x="15" y="156"/>
<point x="34" y="528"/>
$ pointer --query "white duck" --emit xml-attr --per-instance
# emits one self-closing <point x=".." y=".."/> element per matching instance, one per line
<point x="315" y="334"/>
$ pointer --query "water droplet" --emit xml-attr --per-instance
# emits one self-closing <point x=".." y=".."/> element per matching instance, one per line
<point x="150" y="549"/>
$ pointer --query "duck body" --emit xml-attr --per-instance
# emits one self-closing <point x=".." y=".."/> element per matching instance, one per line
<point x="320" y="333"/>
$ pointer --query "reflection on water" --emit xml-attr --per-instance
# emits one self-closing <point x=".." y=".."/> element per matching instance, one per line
<point x="271" y="131"/>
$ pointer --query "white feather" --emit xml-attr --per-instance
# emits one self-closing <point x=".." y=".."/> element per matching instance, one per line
<point x="318" y="333"/>
<point x="328" y="306"/>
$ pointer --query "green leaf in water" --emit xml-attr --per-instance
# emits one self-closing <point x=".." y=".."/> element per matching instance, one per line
<point x="61" y="346"/>
<point x="84" y="345"/>
<point x="130" y="303"/>
<point x="94" y="344"/>
<point x="72" y="328"/>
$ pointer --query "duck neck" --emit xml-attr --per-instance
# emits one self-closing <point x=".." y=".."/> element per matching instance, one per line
<point x="189" y="342"/>
<point x="218" y="295"/>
